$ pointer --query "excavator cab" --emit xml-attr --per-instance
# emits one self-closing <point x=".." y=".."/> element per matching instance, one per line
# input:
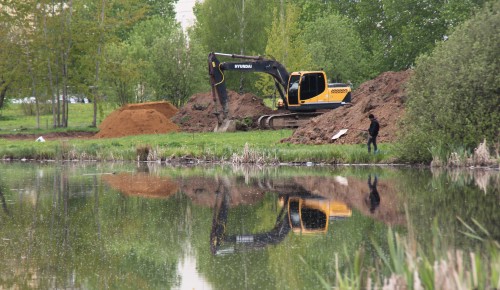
<point x="312" y="215"/>
<point x="309" y="91"/>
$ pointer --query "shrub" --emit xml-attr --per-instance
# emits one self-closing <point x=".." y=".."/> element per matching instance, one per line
<point x="454" y="96"/>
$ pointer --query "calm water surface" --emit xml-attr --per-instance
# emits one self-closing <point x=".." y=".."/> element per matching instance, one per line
<point x="150" y="226"/>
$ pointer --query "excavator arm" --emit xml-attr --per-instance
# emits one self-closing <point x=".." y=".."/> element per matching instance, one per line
<point x="251" y="64"/>
<point x="221" y="243"/>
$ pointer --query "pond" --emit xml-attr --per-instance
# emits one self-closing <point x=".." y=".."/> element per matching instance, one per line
<point x="148" y="226"/>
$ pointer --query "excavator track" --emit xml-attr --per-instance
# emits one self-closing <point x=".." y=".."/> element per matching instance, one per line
<point x="285" y="121"/>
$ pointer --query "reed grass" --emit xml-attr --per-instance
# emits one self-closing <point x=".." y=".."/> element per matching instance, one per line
<point x="459" y="156"/>
<point x="402" y="264"/>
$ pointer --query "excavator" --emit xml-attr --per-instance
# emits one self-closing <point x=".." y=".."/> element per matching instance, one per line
<point x="304" y="94"/>
<point x="300" y="213"/>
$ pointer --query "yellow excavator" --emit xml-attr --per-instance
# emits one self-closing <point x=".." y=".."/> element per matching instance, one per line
<point x="304" y="94"/>
<point x="301" y="213"/>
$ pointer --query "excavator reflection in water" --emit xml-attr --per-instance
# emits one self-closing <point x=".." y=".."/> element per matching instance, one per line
<point x="302" y="213"/>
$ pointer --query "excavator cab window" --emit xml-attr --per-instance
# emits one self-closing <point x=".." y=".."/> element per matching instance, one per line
<point x="311" y="85"/>
<point x="294" y="212"/>
<point x="293" y="90"/>
<point x="313" y="219"/>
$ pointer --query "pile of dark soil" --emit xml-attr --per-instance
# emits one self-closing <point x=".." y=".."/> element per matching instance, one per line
<point x="197" y="115"/>
<point x="383" y="96"/>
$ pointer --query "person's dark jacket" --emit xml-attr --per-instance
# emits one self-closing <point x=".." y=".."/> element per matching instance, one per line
<point x="374" y="127"/>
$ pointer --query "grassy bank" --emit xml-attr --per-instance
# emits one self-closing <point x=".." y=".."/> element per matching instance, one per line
<point x="260" y="147"/>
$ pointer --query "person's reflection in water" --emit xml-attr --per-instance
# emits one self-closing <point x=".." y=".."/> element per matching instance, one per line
<point x="373" y="200"/>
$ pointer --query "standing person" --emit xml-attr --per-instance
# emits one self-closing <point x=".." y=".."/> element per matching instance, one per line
<point x="373" y="133"/>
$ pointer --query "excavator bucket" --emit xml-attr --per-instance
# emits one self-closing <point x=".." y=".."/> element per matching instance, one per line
<point x="226" y="126"/>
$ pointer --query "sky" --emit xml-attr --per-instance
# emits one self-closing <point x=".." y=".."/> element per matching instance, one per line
<point x="184" y="12"/>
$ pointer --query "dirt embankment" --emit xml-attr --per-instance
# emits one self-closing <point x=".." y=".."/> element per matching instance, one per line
<point x="383" y="96"/>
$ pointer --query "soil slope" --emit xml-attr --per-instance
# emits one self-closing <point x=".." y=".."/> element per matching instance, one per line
<point x="383" y="96"/>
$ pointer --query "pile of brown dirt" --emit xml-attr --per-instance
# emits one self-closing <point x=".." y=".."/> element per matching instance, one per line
<point x="383" y="96"/>
<point x="197" y="115"/>
<point x="138" y="119"/>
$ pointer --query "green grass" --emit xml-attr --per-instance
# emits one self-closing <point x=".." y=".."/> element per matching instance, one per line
<point x="262" y="147"/>
<point x="13" y="120"/>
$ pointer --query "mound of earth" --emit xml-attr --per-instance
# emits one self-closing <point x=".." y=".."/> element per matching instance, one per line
<point x="139" y="119"/>
<point x="142" y="185"/>
<point x="383" y="96"/>
<point x="197" y="115"/>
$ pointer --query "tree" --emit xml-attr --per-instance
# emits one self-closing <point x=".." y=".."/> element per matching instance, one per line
<point x="337" y="49"/>
<point x="396" y="32"/>
<point x="237" y="27"/>
<point x="10" y="52"/>
<point x="162" y="8"/>
<point x="285" y="45"/>
<point x="155" y="63"/>
<point x="454" y="99"/>
<point x="121" y="73"/>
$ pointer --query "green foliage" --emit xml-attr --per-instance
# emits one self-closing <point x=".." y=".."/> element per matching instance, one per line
<point x="155" y="63"/>
<point x="285" y="45"/>
<point x="175" y="74"/>
<point x="454" y="98"/>
<point x="338" y="49"/>
<point x="237" y="27"/>
<point x="396" y="32"/>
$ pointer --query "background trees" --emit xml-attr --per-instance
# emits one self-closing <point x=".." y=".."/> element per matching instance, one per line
<point x="95" y="48"/>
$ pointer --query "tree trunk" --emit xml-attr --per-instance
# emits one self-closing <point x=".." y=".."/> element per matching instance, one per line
<point x="49" y="69"/>
<point x="3" y="91"/>
<point x="99" y="52"/>
<point x="65" y="61"/>
<point x="242" y="40"/>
